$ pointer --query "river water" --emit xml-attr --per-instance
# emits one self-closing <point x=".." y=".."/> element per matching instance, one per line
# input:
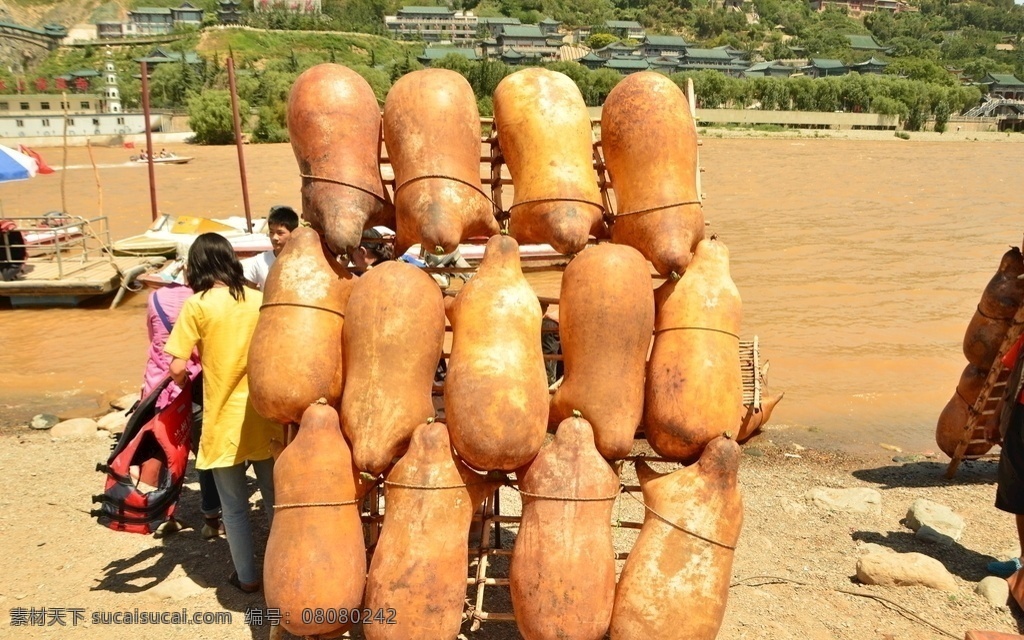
<point x="860" y="264"/>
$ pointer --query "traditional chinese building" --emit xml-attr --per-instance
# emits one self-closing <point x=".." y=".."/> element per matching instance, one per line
<point x="772" y="69"/>
<point x="530" y="41"/>
<point x="493" y="26"/>
<point x="1004" y="85"/>
<point x="627" y="64"/>
<point x="592" y="61"/>
<point x="872" y="65"/>
<point x="822" y="67"/>
<point x="695" y="59"/>
<point x="860" y="7"/>
<point x="163" y="56"/>
<point x="654" y="45"/>
<point x="625" y="29"/>
<point x="158" y="20"/>
<point x="229" y="11"/>
<point x="550" y="26"/>
<point x="432" y="24"/>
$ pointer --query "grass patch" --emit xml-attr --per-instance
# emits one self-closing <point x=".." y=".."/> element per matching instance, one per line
<point x="34" y="3"/>
<point x="738" y="126"/>
<point x="208" y="5"/>
<point x="348" y="48"/>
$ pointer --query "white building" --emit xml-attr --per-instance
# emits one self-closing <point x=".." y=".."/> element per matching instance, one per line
<point x="110" y="91"/>
<point x="98" y="124"/>
<point x="86" y="114"/>
<point x="432" y="24"/>
<point x="296" y="6"/>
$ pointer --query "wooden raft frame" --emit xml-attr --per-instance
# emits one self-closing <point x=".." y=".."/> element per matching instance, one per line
<point x="489" y="520"/>
<point x="988" y="401"/>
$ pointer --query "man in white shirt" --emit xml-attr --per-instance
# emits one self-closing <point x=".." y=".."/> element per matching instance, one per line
<point x="280" y="224"/>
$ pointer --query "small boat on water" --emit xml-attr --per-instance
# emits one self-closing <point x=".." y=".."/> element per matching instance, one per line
<point x="173" y="235"/>
<point x="47" y="233"/>
<point x="162" y="160"/>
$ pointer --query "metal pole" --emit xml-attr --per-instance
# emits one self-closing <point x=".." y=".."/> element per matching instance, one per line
<point x="64" y="162"/>
<point x="149" y="139"/>
<point x="238" y="142"/>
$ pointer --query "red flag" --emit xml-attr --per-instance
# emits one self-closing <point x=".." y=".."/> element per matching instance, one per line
<point x="61" y="84"/>
<point x="41" y="84"/>
<point x="43" y="167"/>
<point x="129" y="145"/>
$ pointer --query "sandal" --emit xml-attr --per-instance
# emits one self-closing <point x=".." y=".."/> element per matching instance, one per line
<point x="212" y="528"/>
<point x="167" y="528"/>
<point x="1004" y="569"/>
<point x="252" y="587"/>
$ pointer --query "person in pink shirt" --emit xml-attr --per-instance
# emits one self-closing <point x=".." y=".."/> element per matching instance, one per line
<point x="161" y="313"/>
<point x="1010" y="476"/>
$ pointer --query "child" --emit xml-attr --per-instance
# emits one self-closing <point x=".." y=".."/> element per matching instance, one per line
<point x="161" y="313"/>
<point x="280" y="224"/>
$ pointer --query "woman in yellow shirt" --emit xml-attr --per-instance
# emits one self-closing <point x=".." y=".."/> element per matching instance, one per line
<point x="219" y="320"/>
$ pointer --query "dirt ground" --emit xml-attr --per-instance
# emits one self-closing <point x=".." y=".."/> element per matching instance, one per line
<point x="791" y="563"/>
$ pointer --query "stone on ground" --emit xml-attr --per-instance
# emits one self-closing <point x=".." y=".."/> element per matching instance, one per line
<point x="75" y="428"/>
<point x="44" y="421"/>
<point x="995" y="590"/>
<point x="904" y="570"/>
<point x="859" y="500"/>
<point x="113" y="422"/>
<point x="935" y="522"/>
<point x="124" y="402"/>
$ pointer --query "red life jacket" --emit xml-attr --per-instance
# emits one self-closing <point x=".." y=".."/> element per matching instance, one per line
<point x="157" y="443"/>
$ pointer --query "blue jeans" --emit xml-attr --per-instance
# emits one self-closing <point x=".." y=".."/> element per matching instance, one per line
<point x="209" y="498"/>
<point x="234" y="500"/>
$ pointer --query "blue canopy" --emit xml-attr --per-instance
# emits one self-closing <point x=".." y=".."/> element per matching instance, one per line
<point x="15" y="165"/>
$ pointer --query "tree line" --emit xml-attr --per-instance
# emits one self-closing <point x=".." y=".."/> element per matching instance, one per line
<point x="266" y="91"/>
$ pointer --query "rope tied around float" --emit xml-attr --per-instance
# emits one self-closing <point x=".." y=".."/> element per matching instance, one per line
<point x="604" y="212"/>
<point x="380" y="198"/>
<point x="299" y="505"/>
<point x="428" y="487"/>
<point x="728" y="333"/>
<point x="970" y="405"/>
<point x="541" y="496"/>
<point x="680" y="527"/>
<point x="610" y="218"/>
<point x="997" y="318"/>
<point x="299" y="304"/>
<point x="440" y="176"/>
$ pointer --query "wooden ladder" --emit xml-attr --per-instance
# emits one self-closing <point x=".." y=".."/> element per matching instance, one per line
<point x="988" y="400"/>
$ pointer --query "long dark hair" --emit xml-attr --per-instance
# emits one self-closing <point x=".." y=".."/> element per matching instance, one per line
<point x="211" y="260"/>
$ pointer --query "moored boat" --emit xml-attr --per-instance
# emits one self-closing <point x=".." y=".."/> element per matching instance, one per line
<point x="172" y="235"/>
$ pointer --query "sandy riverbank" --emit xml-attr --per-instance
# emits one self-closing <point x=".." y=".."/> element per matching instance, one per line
<point x="60" y="558"/>
<point x="862" y="134"/>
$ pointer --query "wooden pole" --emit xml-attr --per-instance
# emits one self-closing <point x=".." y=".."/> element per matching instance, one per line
<point x="149" y="139"/>
<point x="64" y="165"/>
<point x="96" y="174"/>
<point x="238" y="142"/>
